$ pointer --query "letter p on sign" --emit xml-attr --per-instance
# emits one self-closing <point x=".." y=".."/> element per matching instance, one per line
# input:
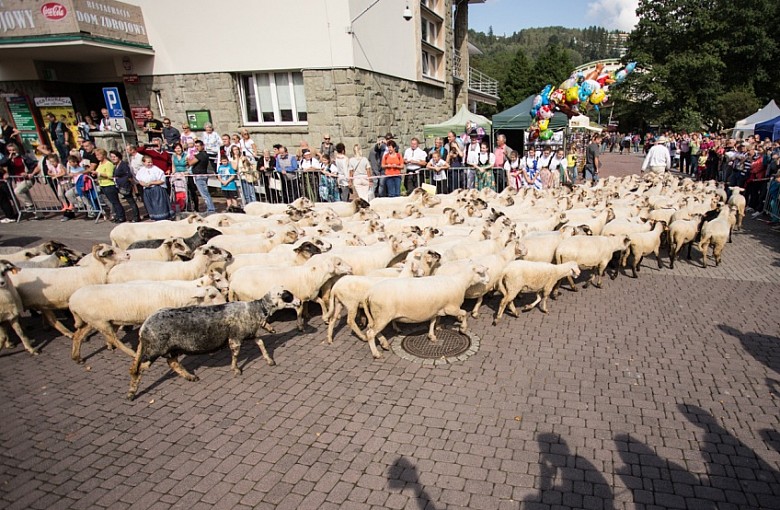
<point x="113" y="103"/>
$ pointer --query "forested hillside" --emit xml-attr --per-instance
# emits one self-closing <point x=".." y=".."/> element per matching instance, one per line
<point x="534" y="57"/>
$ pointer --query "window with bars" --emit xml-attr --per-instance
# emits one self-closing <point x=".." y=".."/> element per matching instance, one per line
<point x="273" y="98"/>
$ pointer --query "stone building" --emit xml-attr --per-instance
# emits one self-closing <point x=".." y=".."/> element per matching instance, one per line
<point x="285" y="70"/>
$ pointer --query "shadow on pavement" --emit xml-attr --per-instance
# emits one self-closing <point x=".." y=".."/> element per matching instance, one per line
<point x="566" y="479"/>
<point x="404" y="475"/>
<point x="763" y="348"/>
<point x="735" y="474"/>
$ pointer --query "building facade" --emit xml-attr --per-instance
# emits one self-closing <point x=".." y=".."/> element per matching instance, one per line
<point x="284" y="70"/>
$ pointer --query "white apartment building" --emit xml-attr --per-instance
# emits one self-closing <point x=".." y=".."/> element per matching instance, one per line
<point x="286" y="70"/>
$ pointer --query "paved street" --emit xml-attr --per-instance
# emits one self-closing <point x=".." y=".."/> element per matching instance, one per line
<point x="656" y="392"/>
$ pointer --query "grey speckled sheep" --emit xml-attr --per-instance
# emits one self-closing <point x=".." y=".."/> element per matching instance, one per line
<point x="172" y="332"/>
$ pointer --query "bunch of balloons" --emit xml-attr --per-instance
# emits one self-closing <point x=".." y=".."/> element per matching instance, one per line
<point x="579" y="93"/>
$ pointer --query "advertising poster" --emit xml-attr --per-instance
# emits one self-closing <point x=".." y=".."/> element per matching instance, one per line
<point x="24" y="120"/>
<point x="62" y="108"/>
<point x="139" y="114"/>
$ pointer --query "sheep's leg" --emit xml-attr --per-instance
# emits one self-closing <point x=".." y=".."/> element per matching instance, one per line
<point x="78" y="337"/>
<point x="5" y="339"/>
<point x="672" y="256"/>
<point x="477" y="305"/>
<point x="598" y="275"/>
<point x="730" y="234"/>
<point x="235" y="348"/>
<point x="556" y="290"/>
<point x="634" y="268"/>
<point x="268" y="327"/>
<point x="135" y="373"/>
<point x="396" y="327"/>
<point x="431" y="329"/>
<point x="704" y="248"/>
<point x="543" y="304"/>
<point x="460" y="314"/>
<point x="531" y="306"/>
<point x="717" y="250"/>
<point x="352" y="321"/>
<point x="299" y="316"/>
<point x="173" y="362"/>
<point x="508" y="299"/>
<point x="624" y="259"/>
<point x="51" y="320"/>
<point x="639" y="264"/>
<point x="690" y="246"/>
<point x="371" y="334"/>
<point x="109" y="331"/>
<point x="22" y="336"/>
<point x="335" y="314"/>
<point x="571" y="283"/>
<point x="323" y="305"/>
<point x="263" y="351"/>
<point x="657" y="254"/>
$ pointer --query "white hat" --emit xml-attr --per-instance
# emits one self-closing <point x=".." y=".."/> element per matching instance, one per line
<point x="661" y="139"/>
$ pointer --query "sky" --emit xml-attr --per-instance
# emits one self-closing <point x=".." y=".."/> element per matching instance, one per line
<point x="508" y="16"/>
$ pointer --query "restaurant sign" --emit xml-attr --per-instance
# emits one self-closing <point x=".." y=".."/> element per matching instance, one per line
<point x="104" y="18"/>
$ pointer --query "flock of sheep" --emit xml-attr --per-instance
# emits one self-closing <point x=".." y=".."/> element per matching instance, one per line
<point x="199" y="284"/>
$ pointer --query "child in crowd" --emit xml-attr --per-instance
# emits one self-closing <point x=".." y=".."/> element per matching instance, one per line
<point x="439" y="168"/>
<point x="227" y="178"/>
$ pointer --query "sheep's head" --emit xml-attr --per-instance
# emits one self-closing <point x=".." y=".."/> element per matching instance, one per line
<point x="207" y="233"/>
<point x="307" y="249"/>
<point x="52" y="246"/>
<point x="109" y="255"/>
<point x="278" y="299"/>
<point x="8" y="267"/>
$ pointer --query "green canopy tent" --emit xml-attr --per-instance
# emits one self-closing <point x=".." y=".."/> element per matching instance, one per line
<point x="456" y="124"/>
<point x="519" y="117"/>
<point x="513" y="122"/>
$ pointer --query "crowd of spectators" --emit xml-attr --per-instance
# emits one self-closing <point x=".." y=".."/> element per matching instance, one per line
<point x="751" y="164"/>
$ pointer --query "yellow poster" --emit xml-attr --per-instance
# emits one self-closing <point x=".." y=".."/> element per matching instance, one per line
<point x="62" y="108"/>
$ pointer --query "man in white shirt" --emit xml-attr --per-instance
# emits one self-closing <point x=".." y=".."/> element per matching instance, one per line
<point x="471" y="157"/>
<point x="414" y="159"/>
<point x="658" y="159"/>
<point x="134" y="158"/>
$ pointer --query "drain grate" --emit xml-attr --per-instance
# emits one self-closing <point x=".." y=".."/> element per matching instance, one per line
<point x="450" y="346"/>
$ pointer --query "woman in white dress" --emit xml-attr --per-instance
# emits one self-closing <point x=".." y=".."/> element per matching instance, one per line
<point x="360" y="172"/>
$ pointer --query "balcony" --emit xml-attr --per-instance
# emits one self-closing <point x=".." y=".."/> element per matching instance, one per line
<point x="482" y="88"/>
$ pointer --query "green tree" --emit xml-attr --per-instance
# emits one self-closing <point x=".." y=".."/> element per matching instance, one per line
<point x="552" y="67"/>
<point x="518" y="83"/>
<point x="693" y="53"/>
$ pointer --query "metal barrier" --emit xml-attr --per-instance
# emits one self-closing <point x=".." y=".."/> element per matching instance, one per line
<point x="42" y="194"/>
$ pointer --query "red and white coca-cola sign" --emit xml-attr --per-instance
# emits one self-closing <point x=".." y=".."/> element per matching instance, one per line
<point x="53" y="11"/>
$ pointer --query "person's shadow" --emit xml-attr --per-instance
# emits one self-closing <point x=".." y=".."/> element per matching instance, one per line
<point x="764" y="348"/>
<point x="404" y="475"/>
<point x="566" y="479"/>
<point x="734" y="472"/>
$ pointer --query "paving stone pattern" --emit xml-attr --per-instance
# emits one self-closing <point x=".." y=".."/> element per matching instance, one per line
<point x="656" y="392"/>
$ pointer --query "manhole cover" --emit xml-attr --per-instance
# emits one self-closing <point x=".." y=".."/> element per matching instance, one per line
<point x="450" y="346"/>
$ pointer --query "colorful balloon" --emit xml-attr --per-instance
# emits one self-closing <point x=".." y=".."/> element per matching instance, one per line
<point x="546" y="135"/>
<point x="586" y="89"/>
<point x="557" y="96"/>
<point x="573" y="95"/>
<point x="546" y="94"/>
<point x="545" y="112"/>
<point x="543" y="124"/>
<point x="533" y="134"/>
<point x="597" y="97"/>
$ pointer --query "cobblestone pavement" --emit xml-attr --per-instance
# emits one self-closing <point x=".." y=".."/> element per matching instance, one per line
<point x="656" y="392"/>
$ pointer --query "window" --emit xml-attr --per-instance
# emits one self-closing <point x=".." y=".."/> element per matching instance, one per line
<point x="430" y="31"/>
<point x="273" y="98"/>
<point x="429" y="65"/>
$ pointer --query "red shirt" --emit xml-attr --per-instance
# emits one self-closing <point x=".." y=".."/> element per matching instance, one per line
<point x="392" y="159"/>
<point x="161" y="160"/>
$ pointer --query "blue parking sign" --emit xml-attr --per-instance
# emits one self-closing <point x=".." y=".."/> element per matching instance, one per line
<point x="113" y="102"/>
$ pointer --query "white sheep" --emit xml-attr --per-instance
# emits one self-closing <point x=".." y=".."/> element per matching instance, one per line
<point x="173" y="248"/>
<point x="414" y="300"/>
<point x="107" y="307"/>
<point x="250" y="283"/>
<point x="203" y="259"/>
<point x="124" y="234"/>
<point x="263" y="208"/>
<point x="590" y="252"/>
<point x="297" y="257"/>
<point x="738" y="201"/>
<point x="495" y="264"/>
<point x="527" y="276"/>
<point x="11" y="308"/>
<point x="716" y="233"/>
<point x="47" y="289"/>
<point x="682" y="232"/>
<point x="642" y="244"/>
<point x="254" y="243"/>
